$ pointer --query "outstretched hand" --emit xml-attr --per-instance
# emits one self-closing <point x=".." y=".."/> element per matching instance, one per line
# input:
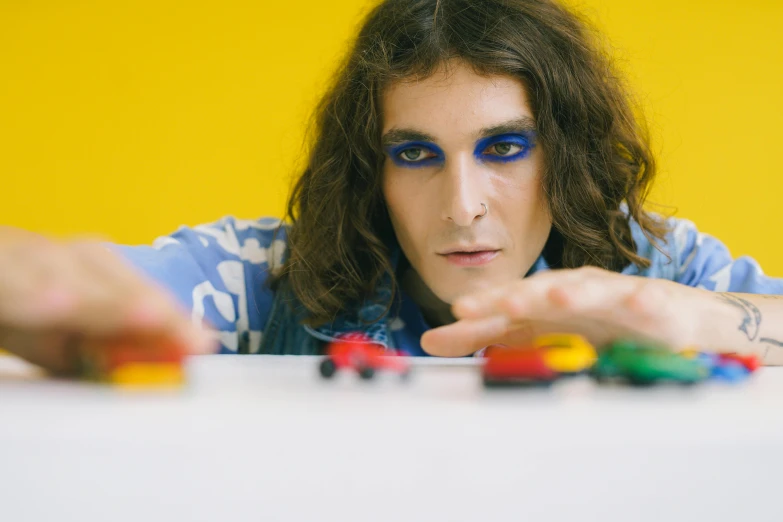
<point x="58" y="296"/>
<point x="596" y="303"/>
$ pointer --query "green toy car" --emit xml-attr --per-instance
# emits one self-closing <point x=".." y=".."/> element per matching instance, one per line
<point x="642" y="364"/>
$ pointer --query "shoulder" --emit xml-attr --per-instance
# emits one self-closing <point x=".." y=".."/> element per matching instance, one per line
<point x="259" y="241"/>
<point x="671" y="255"/>
<point x="661" y="252"/>
<point x="675" y="249"/>
<point x="694" y="258"/>
<point x="218" y="271"/>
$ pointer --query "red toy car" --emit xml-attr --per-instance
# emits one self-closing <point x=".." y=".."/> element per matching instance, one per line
<point x="358" y="352"/>
<point x="522" y="365"/>
<point x="750" y="362"/>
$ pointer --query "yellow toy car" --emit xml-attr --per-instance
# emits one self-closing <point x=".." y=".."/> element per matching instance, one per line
<point x="135" y="362"/>
<point x="567" y="354"/>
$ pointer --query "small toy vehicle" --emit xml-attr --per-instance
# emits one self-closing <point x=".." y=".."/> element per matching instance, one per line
<point x="750" y="361"/>
<point x="729" y="367"/>
<point x="516" y="366"/>
<point x="642" y="364"/>
<point x="358" y="352"/>
<point x="729" y="370"/>
<point x="134" y="362"/>
<point x="567" y="354"/>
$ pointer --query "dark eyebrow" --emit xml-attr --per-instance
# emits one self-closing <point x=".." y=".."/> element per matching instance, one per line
<point x="521" y="125"/>
<point x="396" y="136"/>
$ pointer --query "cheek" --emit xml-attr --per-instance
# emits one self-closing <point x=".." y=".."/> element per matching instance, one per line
<point x="521" y="191"/>
<point x="393" y="195"/>
<point x="524" y="209"/>
<point x="404" y="211"/>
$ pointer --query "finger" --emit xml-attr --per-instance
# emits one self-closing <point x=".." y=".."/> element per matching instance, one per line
<point x="32" y="283"/>
<point x="463" y="337"/>
<point x="479" y="304"/>
<point x="49" y="350"/>
<point x="60" y="286"/>
<point x="519" y="299"/>
<point x="139" y="304"/>
<point x="81" y="287"/>
<point x="467" y="336"/>
<point x="590" y="295"/>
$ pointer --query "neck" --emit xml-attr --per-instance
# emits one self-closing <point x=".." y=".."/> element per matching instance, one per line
<point x="435" y="311"/>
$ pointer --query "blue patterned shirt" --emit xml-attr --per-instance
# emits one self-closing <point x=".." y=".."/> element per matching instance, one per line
<point x="219" y="272"/>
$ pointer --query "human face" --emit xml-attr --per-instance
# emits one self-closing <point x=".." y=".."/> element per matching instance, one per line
<point x="454" y="141"/>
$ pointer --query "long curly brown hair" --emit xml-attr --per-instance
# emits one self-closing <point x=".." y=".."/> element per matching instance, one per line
<point x="597" y="151"/>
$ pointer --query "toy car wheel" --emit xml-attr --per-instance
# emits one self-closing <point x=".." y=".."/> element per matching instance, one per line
<point x="327" y="368"/>
<point x="367" y="373"/>
<point x="492" y="383"/>
<point x="641" y="382"/>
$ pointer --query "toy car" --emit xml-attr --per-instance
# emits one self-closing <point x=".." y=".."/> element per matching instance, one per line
<point x="750" y="361"/>
<point x="729" y="370"/>
<point x="567" y="354"/>
<point x="641" y="364"/>
<point x="134" y="362"/>
<point x="516" y="366"/>
<point x="729" y="367"/>
<point x="358" y="352"/>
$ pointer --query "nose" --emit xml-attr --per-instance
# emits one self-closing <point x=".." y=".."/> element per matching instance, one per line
<point x="462" y="191"/>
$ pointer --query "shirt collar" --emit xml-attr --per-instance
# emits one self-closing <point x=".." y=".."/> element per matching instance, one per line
<point x="372" y="316"/>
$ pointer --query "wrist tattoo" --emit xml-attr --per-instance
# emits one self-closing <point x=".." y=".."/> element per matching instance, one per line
<point x="751" y="321"/>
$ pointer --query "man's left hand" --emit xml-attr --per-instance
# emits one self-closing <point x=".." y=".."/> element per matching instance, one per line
<point x="596" y="303"/>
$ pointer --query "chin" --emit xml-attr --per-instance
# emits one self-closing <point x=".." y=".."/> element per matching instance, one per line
<point x="448" y="292"/>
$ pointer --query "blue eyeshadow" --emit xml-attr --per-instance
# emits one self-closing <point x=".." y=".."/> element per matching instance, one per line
<point x="525" y="141"/>
<point x="427" y="148"/>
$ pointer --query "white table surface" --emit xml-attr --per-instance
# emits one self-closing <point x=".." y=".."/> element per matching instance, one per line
<point x="264" y="438"/>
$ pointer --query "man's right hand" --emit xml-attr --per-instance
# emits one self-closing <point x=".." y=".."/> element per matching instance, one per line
<point x="55" y="295"/>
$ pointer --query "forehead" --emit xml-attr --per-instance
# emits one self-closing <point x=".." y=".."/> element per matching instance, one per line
<point x="454" y="100"/>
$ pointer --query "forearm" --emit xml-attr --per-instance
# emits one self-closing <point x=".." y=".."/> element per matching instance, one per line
<point x="745" y="323"/>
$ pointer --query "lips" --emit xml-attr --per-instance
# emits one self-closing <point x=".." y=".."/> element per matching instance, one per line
<point x="471" y="258"/>
<point x="467" y="249"/>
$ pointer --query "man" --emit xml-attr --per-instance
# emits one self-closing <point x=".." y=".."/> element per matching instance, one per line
<point x="477" y="176"/>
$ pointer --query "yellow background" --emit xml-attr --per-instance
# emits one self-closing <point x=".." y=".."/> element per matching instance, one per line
<point x="127" y="119"/>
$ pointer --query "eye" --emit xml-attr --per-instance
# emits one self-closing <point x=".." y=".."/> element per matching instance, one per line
<point x="415" y="155"/>
<point x="503" y="149"/>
